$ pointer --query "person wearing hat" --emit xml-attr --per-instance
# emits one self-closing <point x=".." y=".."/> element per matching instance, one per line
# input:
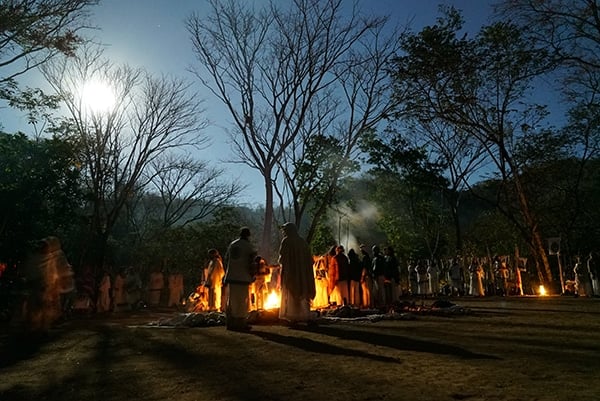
<point x="238" y="276"/>
<point x="297" y="276"/>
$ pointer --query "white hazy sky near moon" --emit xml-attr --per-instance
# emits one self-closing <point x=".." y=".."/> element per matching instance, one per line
<point x="152" y="34"/>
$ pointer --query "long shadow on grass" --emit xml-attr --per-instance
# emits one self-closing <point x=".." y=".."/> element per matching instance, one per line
<point x="394" y="341"/>
<point x="20" y="346"/>
<point x="204" y="367"/>
<point x="307" y="344"/>
<point x="527" y="309"/>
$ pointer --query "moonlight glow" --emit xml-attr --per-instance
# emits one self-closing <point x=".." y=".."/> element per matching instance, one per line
<point x="97" y="97"/>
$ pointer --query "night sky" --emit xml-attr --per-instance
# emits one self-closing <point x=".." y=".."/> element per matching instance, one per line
<point x="152" y="34"/>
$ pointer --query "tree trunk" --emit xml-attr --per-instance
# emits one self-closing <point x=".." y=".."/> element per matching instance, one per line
<point x="457" y="230"/>
<point x="265" y="247"/>
<point x="537" y="245"/>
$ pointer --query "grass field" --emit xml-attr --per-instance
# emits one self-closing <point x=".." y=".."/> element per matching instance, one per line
<point x="522" y="348"/>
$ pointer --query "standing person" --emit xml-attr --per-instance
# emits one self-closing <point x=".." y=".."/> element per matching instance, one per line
<point x="355" y="278"/>
<point x="433" y="274"/>
<point x="583" y="285"/>
<point x="297" y="279"/>
<point x="103" y="301"/>
<point x="259" y="288"/>
<point x="472" y="277"/>
<point x="156" y="286"/>
<point x="422" y="279"/>
<point x="476" y="272"/>
<point x="456" y="277"/>
<point x="175" y="280"/>
<point x="333" y="276"/>
<point x="594" y="272"/>
<point x="42" y="306"/>
<point x="238" y="276"/>
<point x="379" y="276"/>
<point x="503" y="275"/>
<point x="413" y="281"/>
<point x="133" y="288"/>
<point x="119" y="293"/>
<point x="320" y="270"/>
<point x="214" y="280"/>
<point x="392" y="275"/>
<point x="366" y="279"/>
<point x="343" y="268"/>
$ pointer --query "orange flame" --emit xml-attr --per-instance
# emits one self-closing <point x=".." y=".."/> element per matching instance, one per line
<point x="273" y="301"/>
<point x="542" y="291"/>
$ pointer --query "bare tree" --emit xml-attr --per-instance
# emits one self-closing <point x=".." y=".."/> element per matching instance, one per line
<point x="189" y="189"/>
<point x="151" y="116"/>
<point x="459" y="154"/>
<point x="326" y="151"/>
<point x="270" y="69"/>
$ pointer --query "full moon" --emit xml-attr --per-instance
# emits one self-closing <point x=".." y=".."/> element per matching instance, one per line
<point x="97" y="96"/>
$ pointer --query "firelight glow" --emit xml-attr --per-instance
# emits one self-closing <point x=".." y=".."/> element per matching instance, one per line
<point x="542" y="291"/>
<point x="273" y="301"/>
<point x="97" y="96"/>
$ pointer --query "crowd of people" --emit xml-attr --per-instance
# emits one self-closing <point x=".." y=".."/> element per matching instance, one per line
<point x="240" y="281"/>
<point x="377" y="279"/>
<point x="586" y="277"/>
<point x="51" y="291"/>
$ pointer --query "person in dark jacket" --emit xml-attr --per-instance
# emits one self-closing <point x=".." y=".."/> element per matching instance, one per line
<point x="366" y="278"/>
<point x="379" y="277"/>
<point x="392" y="275"/>
<point x="343" y="268"/>
<point x="355" y="276"/>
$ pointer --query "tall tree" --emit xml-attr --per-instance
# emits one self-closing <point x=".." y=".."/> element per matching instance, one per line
<point x="147" y="118"/>
<point x="327" y="149"/>
<point x="570" y="31"/>
<point x="33" y="32"/>
<point x="457" y="155"/>
<point x="415" y="216"/>
<point x="275" y="69"/>
<point x="480" y="86"/>
<point x="39" y="191"/>
<point x="189" y="190"/>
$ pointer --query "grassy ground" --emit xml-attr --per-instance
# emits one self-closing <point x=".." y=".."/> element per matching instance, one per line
<point x="505" y="349"/>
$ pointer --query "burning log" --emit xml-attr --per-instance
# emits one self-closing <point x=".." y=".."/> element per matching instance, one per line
<point x="197" y="301"/>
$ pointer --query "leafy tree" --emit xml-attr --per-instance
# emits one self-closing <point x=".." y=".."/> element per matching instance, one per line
<point x="570" y="32"/>
<point x="39" y="192"/>
<point x="313" y="180"/>
<point x="415" y="215"/>
<point x="480" y="86"/>
<point x="326" y="152"/>
<point x="182" y="248"/>
<point x="32" y="32"/>
<point x="457" y="156"/>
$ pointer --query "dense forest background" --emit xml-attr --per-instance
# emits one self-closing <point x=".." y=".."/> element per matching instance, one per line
<point x="434" y="142"/>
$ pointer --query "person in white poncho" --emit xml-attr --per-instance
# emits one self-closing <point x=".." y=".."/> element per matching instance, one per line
<point x="297" y="277"/>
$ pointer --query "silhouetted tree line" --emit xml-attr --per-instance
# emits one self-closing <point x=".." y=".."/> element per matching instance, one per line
<point x="457" y="154"/>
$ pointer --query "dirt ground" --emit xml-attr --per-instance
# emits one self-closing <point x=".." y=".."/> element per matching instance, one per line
<point x="504" y="349"/>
